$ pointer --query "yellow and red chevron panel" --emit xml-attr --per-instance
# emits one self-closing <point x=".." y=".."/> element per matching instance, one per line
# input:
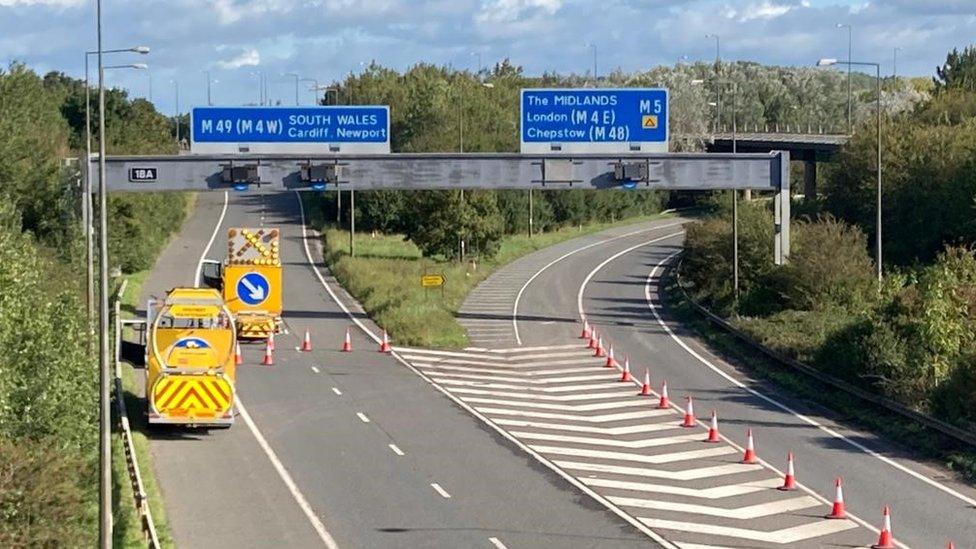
<point x="192" y="397"/>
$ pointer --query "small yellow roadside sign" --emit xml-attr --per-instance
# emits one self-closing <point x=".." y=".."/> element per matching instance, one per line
<point x="649" y="121"/>
<point x="431" y="280"/>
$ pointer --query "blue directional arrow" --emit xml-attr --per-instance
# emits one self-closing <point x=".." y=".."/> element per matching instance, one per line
<point x="253" y="288"/>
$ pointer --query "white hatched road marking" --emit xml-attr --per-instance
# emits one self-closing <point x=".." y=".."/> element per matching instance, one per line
<point x="609" y="431"/>
<point x="782" y="537"/>
<point x="759" y="510"/>
<point x="602" y="418"/>
<point x="550" y="398"/>
<point x="634" y="444"/>
<point x="716" y="492"/>
<point x="536" y="390"/>
<point x="687" y="474"/>
<point x="629" y="403"/>
<point x="641" y="458"/>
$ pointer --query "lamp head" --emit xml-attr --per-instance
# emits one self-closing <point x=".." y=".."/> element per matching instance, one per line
<point x="826" y="62"/>
<point x="141" y="49"/>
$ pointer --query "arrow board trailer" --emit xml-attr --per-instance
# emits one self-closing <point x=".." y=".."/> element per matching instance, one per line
<point x="626" y="120"/>
<point x="360" y="129"/>
<point x="250" y="280"/>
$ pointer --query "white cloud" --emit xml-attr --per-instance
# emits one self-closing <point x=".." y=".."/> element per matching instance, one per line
<point x="762" y="10"/>
<point x="509" y="11"/>
<point x="249" y="58"/>
<point x="54" y="3"/>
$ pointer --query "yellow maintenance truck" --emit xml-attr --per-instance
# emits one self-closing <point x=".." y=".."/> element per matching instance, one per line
<point x="250" y="280"/>
<point x="190" y="366"/>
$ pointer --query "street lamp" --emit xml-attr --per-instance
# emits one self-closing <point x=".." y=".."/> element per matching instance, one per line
<point x="827" y="62"/>
<point x="894" y="62"/>
<point x="209" y="102"/>
<point x="176" y="89"/>
<point x="297" y="79"/>
<point x="86" y="205"/>
<point x="596" y="76"/>
<point x="850" y="54"/>
<point x="314" y="88"/>
<point x="718" y="48"/>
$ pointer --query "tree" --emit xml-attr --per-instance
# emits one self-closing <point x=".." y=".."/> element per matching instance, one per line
<point x="958" y="72"/>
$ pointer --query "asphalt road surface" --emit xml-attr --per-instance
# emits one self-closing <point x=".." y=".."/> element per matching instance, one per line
<point x="349" y="449"/>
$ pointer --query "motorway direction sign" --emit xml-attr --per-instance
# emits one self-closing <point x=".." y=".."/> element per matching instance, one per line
<point x="253" y="288"/>
<point x="290" y="130"/>
<point x="594" y="120"/>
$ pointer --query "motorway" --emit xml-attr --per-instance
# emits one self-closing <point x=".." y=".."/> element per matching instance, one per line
<point x="347" y="449"/>
<point x="524" y="439"/>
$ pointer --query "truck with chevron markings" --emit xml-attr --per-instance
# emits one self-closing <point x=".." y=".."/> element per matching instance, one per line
<point x="190" y="359"/>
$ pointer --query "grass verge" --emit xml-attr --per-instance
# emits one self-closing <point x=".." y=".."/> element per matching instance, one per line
<point x="385" y="277"/>
<point x="846" y="408"/>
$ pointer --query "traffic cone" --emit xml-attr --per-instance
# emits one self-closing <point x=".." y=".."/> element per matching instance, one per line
<point x="268" y="358"/>
<point x="750" y="455"/>
<point x="611" y="362"/>
<point x="271" y="341"/>
<point x="646" y="387"/>
<point x="884" y="539"/>
<point x="625" y="376"/>
<point x="838" y="511"/>
<point x="599" y="347"/>
<point x="689" y="414"/>
<point x="665" y="402"/>
<point x="592" y="343"/>
<point x="385" y="344"/>
<point x="789" y="481"/>
<point x="238" y="356"/>
<point x="347" y="343"/>
<point x="307" y="342"/>
<point x="950" y="545"/>
<point x="586" y="330"/>
<point x="713" y="430"/>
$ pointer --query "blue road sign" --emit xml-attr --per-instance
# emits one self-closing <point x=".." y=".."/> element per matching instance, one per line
<point x="594" y="120"/>
<point x="290" y="129"/>
<point x="253" y="288"/>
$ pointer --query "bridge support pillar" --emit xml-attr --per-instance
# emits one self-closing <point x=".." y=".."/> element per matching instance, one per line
<point x="810" y="179"/>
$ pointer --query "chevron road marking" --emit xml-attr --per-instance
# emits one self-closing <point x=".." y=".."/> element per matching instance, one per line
<point x="497" y="371"/>
<point x="590" y="361"/>
<point x="562" y="389"/>
<point x="634" y="444"/>
<point x="502" y="377"/>
<point x="641" y="458"/>
<point x="687" y="474"/>
<point x="604" y="418"/>
<point x="609" y="431"/>
<point x="630" y="403"/>
<point x="781" y="537"/>
<point x="551" y="398"/>
<point x="717" y="492"/>
<point x="742" y="513"/>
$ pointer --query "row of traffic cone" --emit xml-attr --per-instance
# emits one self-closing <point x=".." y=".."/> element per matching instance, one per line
<point x="838" y="511"/>
<point x="306" y="346"/>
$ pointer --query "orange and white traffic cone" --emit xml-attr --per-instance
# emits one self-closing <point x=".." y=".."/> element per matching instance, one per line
<point x="347" y="343"/>
<point x="592" y="343"/>
<point x="599" y="347"/>
<point x="838" y="512"/>
<point x="750" y="455"/>
<point x="884" y="539"/>
<point x="385" y="344"/>
<point x="238" y="356"/>
<point x="950" y="545"/>
<point x="665" y="402"/>
<point x="713" y="429"/>
<point x="268" y="358"/>
<point x="789" y="481"/>
<point x="586" y="330"/>
<point x="646" y="386"/>
<point x="307" y="342"/>
<point x="689" y="420"/>
<point x="611" y="362"/>
<point x="271" y="341"/>
<point x="625" y="376"/>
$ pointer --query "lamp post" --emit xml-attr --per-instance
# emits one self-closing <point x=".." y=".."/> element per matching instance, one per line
<point x="209" y="102"/>
<point x="86" y="204"/>
<point x="314" y="88"/>
<point x="718" y="48"/>
<point x="735" y="193"/>
<point x="894" y="62"/>
<point x="260" y="76"/>
<point x="827" y="62"/>
<point x="850" y="54"/>
<point x="596" y="75"/>
<point x="176" y="91"/>
<point x="297" y="79"/>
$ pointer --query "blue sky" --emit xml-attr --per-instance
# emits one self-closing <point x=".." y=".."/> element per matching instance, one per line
<point x="326" y="39"/>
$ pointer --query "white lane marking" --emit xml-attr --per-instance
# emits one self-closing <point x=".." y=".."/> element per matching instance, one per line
<point x="633" y="444"/>
<point x="440" y="490"/>
<point x="782" y="537"/>
<point x="530" y="381"/>
<point x="533" y="390"/>
<point x="337" y="391"/>
<point x="806" y="419"/>
<point x="758" y="510"/>
<point x="362" y="417"/>
<point x="396" y="449"/>
<point x="629" y="403"/>
<point x="687" y="474"/>
<point x="471" y="410"/>
<point x="317" y="525"/>
<point x="315" y="369"/>
<point x="206" y="249"/>
<point x="671" y="457"/>
<point x="608" y="431"/>
<point x="324" y="535"/>
<point x="717" y="492"/>
<point x="551" y="398"/>
<point x="603" y="418"/>
<point x="497" y="543"/>
<point x="518" y="296"/>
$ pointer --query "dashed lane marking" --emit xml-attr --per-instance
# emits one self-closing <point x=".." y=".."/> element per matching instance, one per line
<point x="439" y="490"/>
<point x="362" y="417"/>
<point x="337" y="391"/>
<point x="315" y="369"/>
<point x="497" y="543"/>
<point x="396" y="449"/>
